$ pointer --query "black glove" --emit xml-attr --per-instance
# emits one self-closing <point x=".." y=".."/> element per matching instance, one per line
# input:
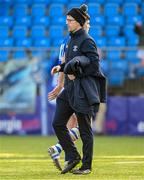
<point x="62" y="67"/>
<point x="73" y="67"/>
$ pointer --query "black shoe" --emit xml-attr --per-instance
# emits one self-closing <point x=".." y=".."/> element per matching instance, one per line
<point x="70" y="165"/>
<point x="81" y="171"/>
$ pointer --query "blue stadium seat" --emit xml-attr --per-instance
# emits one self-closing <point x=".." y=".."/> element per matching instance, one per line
<point x="4" y="9"/>
<point x="60" y="1"/>
<point x="46" y="2"/>
<point x="20" y="10"/>
<point x="19" y="55"/>
<point x="38" y="31"/>
<point x="72" y="5"/>
<point x="96" y="31"/>
<point x="39" y="10"/>
<point x="75" y="1"/>
<point x="121" y="65"/>
<point x="20" y="31"/>
<point x="54" y="55"/>
<point x="60" y="20"/>
<point x="23" y="42"/>
<point x="132" y="41"/>
<point x="132" y="20"/>
<point x="28" y="2"/>
<point x="104" y="64"/>
<point x="56" y="42"/>
<point x="129" y="31"/>
<point x="112" y="30"/>
<point x="116" y="41"/>
<point x="4" y="32"/>
<point x="97" y="20"/>
<point x="111" y="9"/>
<point x="6" y="21"/>
<point x="41" y="42"/>
<point x="131" y="54"/>
<point x="114" y="55"/>
<point x="56" y="31"/>
<point x="133" y="61"/>
<point x="130" y="9"/>
<point x="115" y="20"/>
<point x="101" y="2"/>
<point x="37" y="53"/>
<point x="133" y="1"/>
<point x="42" y="20"/>
<point x="116" y="78"/>
<point x="6" y="42"/>
<point x="94" y="9"/>
<point x="140" y="72"/>
<point x="23" y="21"/>
<point x="56" y="10"/>
<point x="115" y="1"/>
<point x="4" y="55"/>
<point x="101" y="41"/>
<point x="7" y="2"/>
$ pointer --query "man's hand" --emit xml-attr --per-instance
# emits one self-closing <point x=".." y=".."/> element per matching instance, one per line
<point x="55" y="69"/>
<point x="54" y="93"/>
<point x="71" y="76"/>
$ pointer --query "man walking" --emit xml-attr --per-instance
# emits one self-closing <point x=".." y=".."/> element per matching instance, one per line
<point x="83" y="91"/>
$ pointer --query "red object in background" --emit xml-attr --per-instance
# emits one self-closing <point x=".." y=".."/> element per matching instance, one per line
<point x="111" y="125"/>
<point x="31" y="124"/>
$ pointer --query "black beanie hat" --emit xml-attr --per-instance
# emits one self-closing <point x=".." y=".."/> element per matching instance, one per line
<point x="84" y="9"/>
<point x="79" y="14"/>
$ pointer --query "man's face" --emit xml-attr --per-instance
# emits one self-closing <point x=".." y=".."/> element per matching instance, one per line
<point x="87" y="25"/>
<point x="72" y="24"/>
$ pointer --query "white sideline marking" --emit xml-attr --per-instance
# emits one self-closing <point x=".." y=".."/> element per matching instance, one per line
<point x="129" y="162"/>
<point x="120" y="157"/>
<point x="6" y="155"/>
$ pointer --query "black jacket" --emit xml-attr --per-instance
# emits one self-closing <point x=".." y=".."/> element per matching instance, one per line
<point x="85" y="91"/>
<point x="88" y="82"/>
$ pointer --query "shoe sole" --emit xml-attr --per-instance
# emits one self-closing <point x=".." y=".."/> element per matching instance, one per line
<point x="55" y="161"/>
<point x="70" y="167"/>
<point x="81" y="173"/>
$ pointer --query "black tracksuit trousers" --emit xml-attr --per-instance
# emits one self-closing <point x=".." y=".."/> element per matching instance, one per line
<point x="62" y="115"/>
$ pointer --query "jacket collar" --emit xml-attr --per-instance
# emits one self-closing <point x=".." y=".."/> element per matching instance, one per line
<point x="77" y="33"/>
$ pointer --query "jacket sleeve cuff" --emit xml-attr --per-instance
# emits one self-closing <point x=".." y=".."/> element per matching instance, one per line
<point x="62" y="67"/>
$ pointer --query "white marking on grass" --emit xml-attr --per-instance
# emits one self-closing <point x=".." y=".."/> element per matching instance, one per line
<point x="7" y="155"/>
<point x="21" y="155"/>
<point x="27" y="160"/>
<point x="120" y="157"/>
<point x="42" y="157"/>
<point x="129" y="162"/>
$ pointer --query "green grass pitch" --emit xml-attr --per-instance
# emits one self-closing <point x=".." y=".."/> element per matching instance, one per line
<point x="115" y="158"/>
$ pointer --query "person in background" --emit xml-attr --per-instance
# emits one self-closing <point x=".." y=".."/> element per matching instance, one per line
<point x="99" y="119"/>
<point x="139" y="30"/>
